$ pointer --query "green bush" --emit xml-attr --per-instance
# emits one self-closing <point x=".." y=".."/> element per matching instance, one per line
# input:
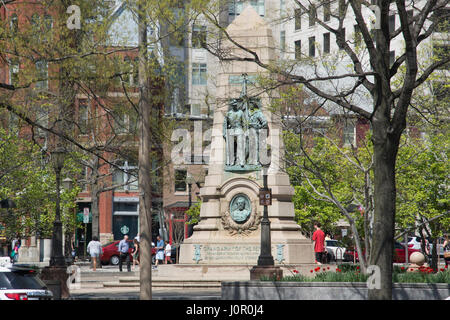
<point x="351" y="273"/>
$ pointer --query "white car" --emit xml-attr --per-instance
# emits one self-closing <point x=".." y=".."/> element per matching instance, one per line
<point x="414" y="243"/>
<point x="21" y="283"/>
<point x="335" y="251"/>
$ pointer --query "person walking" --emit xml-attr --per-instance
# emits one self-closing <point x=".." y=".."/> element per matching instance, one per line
<point x="319" y="243"/>
<point x="446" y="246"/>
<point x="159" y="251"/>
<point x="168" y="252"/>
<point x="94" y="248"/>
<point x="15" y="250"/>
<point x="124" y="246"/>
<point x="135" y="253"/>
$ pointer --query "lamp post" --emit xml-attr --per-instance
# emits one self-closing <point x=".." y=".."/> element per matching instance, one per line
<point x="266" y="264"/>
<point x="265" y="258"/>
<point x="189" y="180"/>
<point x="67" y="185"/>
<point x="57" y="259"/>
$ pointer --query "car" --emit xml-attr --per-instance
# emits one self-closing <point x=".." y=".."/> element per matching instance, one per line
<point x="335" y="251"/>
<point x="400" y="252"/>
<point x="399" y="255"/>
<point x="415" y="243"/>
<point x="21" y="282"/>
<point x="111" y="252"/>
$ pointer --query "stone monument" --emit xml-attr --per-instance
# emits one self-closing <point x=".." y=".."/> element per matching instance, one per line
<point x="229" y="231"/>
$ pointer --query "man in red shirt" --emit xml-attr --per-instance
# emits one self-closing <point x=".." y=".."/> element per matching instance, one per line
<point x="319" y="242"/>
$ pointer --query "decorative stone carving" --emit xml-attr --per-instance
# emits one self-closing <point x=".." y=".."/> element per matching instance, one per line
<point x="241" y="218"/>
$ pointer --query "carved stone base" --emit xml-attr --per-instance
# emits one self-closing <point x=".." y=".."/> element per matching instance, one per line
<point x="272" y="272"/>
<point x="53" y="275"/>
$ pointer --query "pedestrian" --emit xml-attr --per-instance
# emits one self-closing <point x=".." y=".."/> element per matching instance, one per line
<point x="135" y="253"/>
<point x="159" y="250"/>
<point x="319" y="243"/>
<point x="124" y="246"/>
<point x="94" y="248"/>
<point x="446" y="246"/>
<point x="15" y="245"/>
<point x="73" y="249"/>
<point x="168" y="252"/>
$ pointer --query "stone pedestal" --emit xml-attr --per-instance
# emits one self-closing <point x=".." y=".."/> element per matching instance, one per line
<point x="219" y="238"/>
<point x="53" y="276"/>
<point x="275" y="273"/>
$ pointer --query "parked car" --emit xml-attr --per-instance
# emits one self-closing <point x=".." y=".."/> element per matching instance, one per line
<point x="415" y="243"/>
<point x="111" y="252"/>
<point x="22" y="283"/>
<point x="335" y="250"/>
<point x="399" y="253"/>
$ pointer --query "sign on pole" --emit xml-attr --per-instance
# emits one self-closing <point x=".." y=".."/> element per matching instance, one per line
<point x="86" y="215"/>
<point x="265" y="197"/>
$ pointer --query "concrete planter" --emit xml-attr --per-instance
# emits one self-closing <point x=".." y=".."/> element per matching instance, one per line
<point x="266" y="290"/>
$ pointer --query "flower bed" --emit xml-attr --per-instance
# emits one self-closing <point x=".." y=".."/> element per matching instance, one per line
<point x="352" y="273"/>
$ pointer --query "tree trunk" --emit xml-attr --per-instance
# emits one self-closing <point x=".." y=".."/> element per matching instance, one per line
<point x="145" y="143"/>
<point x="385" y="153"/>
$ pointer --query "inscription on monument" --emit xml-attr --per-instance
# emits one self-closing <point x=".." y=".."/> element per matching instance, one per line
<point x="231" y="253"/>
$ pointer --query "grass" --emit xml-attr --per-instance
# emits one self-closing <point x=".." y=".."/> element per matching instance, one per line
<point x="351" y="273"/>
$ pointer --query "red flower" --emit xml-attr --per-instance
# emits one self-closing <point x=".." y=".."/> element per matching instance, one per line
<point x="317" y="269"/>
<point x="324" y="269"/>
<point x="357" y="268"/>
<point x="442" y="269"/>
<point x="328" y="268"/>
<point x="446" y="266"/>
<point x="311" y="271"/>
<point x="402" y="268"/>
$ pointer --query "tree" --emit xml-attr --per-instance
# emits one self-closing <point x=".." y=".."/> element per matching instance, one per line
<point x="390" y="105"/>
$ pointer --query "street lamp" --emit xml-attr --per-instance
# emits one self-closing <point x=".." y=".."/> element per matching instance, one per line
<point x="57" y="259"/>
<point x="265" y="258"/>
<point x="190" y="180"/>
<point x="67" y="185"/>
<point x="266" y="264"/>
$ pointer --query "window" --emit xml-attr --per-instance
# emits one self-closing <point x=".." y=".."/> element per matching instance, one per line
<point x="128" y="66"/>
<point x="343" y="35"/>
<point x="312" y="15"/>
<point x="298" y="19"/>
<point x="135" y="72"/>
<point x="199" y="73"/>
<point x="198" y="36"/>
<point x="298" y="49"/>
<point x="83" y="118"/>
<point x="42" y="120"/>
<point x="349" y="134"/>
<point x="282" y="8"/>
<point x="125" y="177"/>
<point x="180" y="180"/>
<point x="326" y="11"/>
<point x="195" y="109"/>
<point x="391" y="58"/>
<point x="391" y="23"/>
<point x="283" y="40"/>
<point x="122" y="123"/>
<point x="14" y="72"/>
<point x="312" y="46"/>
<point x="258" y="5"/>
<point x="326" y="42"/>
<point x="14" y="23"/>
<point x="42" y="74"/>
<point x="358" y="35"/>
